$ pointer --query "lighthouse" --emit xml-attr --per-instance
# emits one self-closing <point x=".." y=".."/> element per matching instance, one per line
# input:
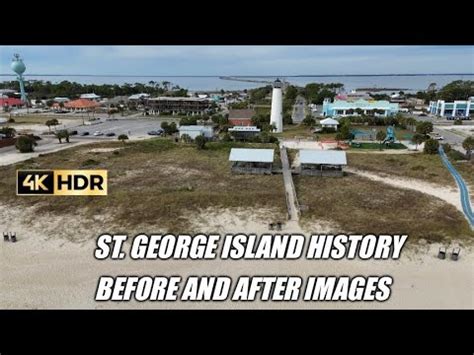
<point x="276" y="116"/>
<point x="19" y="68"/>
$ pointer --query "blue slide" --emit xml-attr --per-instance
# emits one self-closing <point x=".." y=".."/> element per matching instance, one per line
<point x="465" y="199"/>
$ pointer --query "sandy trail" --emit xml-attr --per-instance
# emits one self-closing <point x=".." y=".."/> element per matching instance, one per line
<point x="445" y="193"/>
<point x="45" y="269"/>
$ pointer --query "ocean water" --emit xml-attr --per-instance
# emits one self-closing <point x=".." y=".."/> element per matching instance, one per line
<point x="410" y="83"/>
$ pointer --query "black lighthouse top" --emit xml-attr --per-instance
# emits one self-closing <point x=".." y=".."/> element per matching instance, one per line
<point x="277" y="83"/>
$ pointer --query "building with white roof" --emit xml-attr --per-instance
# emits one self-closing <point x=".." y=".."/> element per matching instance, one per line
<point x="90" y="96"/>
<point x="193" y="131"/>
<point x="329" y="123"/>
<point x="322" y="162"/>
<point x="251" y="161"/>
<point x="140" y="96"/>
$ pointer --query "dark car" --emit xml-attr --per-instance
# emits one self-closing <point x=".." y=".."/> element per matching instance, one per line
<point x="153" y="133"/>
<point x="73" y="133"/>
<point x="110" y="134"/>
<point x="84" y="133"/>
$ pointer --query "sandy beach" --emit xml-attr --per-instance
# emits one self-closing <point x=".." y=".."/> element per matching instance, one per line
<point x="53" y="267"/>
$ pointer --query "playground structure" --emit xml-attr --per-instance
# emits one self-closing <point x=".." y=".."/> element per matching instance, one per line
<point x="390" y="137"/>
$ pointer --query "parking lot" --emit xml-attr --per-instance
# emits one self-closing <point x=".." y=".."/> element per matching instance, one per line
<point x="133" y="128"/>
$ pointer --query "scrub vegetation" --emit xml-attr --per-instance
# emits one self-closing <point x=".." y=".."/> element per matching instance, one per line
<point x="153" y="182"/>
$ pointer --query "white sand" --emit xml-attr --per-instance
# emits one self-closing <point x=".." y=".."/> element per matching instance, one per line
<point x="46" y="270"/>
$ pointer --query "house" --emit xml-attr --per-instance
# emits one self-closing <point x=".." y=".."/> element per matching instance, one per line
<point x="243" y="132"/>
<point x="329" y="123"/>
<point x="350" y="107"/>
<point x="322" y="162"/>
<point x="81" y="105"/>
<point x="241" y="117"/>
<point x="193" y="131"/>
<point x="251" y="161"/>
<point x="450" y="110"/>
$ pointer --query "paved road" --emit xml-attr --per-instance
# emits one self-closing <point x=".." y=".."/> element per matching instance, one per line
<point x="465" y="198"/>
<point x="299" y="110"/>
<point x="455" y="140"/>
<point x="291" y="200"/>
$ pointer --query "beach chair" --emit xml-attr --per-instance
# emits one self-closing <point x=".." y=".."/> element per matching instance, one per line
<point x="13" y="237"/>
<point x="271" y="226"/>
<point x="455" y="254"/>
<point x="442" y="253"/>
<point x="6" y="238"/>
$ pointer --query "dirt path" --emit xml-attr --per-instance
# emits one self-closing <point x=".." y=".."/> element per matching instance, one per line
<point x="445" y="193"/>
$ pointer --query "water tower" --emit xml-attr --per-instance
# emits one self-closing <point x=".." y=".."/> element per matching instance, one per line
<point x="276" y="116"/>
<point x="19" y="68"/>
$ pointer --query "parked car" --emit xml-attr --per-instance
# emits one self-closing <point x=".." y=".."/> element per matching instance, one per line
<point x="110" y="134"/>
<point x="98" y="133"/>
<point x="73" y="133"/>
<point x="84" y="133"/>
<point x="153" y="133"/>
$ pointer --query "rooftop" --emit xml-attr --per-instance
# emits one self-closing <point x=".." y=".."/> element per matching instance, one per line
<point x="329" y="157"/>
<point x="362" y="104"/>
<point x="244" y="129"/>
<point x="179" y="98"/>
<point x="241" y="114"/>
<point x="194" y="128"/>
<point x="251" y="155"/>
<point x="329" y="121"/>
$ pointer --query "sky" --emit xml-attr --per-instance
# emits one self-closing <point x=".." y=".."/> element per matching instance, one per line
<point x="240" y="60"/>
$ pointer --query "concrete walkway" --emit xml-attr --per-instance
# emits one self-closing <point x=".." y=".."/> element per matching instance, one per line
<point x="290" y="192"/>
<point x="465" y="199"/>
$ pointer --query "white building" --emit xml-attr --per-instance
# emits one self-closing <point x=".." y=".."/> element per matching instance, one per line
<point x="458" y="108"/>
<point x="193" y="131"/>
<point x="329" y="123"/>
<point x="139" y="96"/>
<point x="90" y="96"/>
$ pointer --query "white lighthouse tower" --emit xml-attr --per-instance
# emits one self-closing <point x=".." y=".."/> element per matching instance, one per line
<point x="276" y="116"/>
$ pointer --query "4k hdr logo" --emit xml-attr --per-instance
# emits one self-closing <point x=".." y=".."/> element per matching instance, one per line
<point x="62" y="182"/>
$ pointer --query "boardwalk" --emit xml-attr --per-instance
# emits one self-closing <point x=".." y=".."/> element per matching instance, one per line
<point x="465" y="199"/>
<point x="291" y="200"/>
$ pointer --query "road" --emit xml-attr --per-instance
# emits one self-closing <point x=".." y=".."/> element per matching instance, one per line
<point x="291" y="201"/>
<point x="135" y="128"/>
<point x="299" y="110"/>
<point x="465" y="197"/>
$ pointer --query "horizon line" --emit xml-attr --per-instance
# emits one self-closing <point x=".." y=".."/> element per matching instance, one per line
<point x="239" y="76"/>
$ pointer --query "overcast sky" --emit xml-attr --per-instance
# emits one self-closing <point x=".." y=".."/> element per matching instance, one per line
<point x="240" y="60"/>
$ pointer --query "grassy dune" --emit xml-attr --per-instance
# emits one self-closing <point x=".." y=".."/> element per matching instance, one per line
<point x="153" y="181"/>
<point x="360" y="205"/>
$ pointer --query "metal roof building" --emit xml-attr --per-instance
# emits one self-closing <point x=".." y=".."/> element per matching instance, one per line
<point x="251" y="155"/>
<point x="193" y="131"/>
<point x="322" y="162"/>
<point x="251" y="161"/>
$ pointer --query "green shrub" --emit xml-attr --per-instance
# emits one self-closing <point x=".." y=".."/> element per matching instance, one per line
<point x="25" y="144"/>
<point x="431" y="146"/>
<point x="455" y="155"/>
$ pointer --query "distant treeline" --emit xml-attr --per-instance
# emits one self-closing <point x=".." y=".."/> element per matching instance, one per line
<point x="39" y="89"/>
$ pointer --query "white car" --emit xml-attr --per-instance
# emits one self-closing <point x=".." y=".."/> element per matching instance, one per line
<point x="98" y="133"/>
